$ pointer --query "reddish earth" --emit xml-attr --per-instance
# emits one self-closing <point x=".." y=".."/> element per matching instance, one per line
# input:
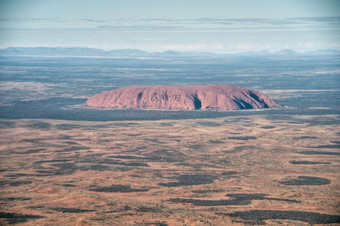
<point x="204" y="97"/>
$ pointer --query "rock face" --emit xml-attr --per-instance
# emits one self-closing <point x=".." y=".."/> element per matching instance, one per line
<point x="197" y="97"/>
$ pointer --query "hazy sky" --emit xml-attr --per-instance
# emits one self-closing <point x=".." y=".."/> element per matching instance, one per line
<point x="182" y="25"/>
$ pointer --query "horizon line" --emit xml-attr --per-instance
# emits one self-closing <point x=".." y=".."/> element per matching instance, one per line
<point x="172" y="50"/>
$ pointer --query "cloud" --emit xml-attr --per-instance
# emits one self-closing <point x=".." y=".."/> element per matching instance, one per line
<point x="94" y="20"/>
<point x="32" y="19"/>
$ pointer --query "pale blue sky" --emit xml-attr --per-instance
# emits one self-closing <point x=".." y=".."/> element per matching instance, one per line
<point x="182" y="25"/>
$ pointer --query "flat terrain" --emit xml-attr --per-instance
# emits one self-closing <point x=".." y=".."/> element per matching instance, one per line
<point x="255" y="169"/>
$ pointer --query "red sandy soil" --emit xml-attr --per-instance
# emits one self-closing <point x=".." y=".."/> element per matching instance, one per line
<point x="242" y="170"/>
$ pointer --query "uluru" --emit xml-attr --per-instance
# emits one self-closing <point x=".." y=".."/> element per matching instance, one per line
<point x="196" y="97"/>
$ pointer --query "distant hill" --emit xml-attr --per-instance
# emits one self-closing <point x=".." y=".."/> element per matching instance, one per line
<point x="90" y="52"/>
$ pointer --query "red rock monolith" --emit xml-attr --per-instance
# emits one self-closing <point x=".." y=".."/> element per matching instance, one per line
<point x="196" y="97"/>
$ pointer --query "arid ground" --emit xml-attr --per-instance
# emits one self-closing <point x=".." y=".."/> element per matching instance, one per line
<point x="233" y="170"/>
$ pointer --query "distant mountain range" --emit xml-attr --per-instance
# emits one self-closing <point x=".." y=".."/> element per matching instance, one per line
<point x="90" y="52"/>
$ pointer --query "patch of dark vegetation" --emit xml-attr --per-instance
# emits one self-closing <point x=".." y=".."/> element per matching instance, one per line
<point x="235" y="199"/>
<point x="223" y="161"/>
<point x="135" y="150"/>
<point x="39" y="125"/>
<point x="229" y="174"/>
<point x="53" y="160"/>
<point x="126" y="124"/>
<point x="15" y="199"/>
<point x="216" y="142"/>
<point x="336" y="146"/>
<point x="193" y="179"/>
<point x="134" y="135"/>
<point x="66" y="126"/>
<point x="128" y="157"/>
<point x="268" y="127"/>
<point x="117" y="188"/>
<point x="35" y="141"/>
<point x="212" y="124"/>
<point x="242" y="138"/>
<point x="304" y="180"/>
<point x="305" y="137"/>
<point x="32" y="151"/>
<point x="259" y="216"/>
<point x="15" y="175"/>
<point x="71" y="143"/>
<point x="322" y="121"/>
<point x="207" y="191"/>
<point x="69" y="185"/>
<point x="14" y="218"/>
<point x="146" y="209"/>
<point x="236" y="119"/>
<point x="163" y="155"/>
<point x="65" y="137"/>
<point x="74" y="148"/>
<point x="154" y="140"/>
<point x="335" y="142"/>
<point x="58" y="169"/>
<point x="187" y="164"/>
<point x="196" y="146"/>
<point x="99" y="126"/>
<point x="152" y="224"/>
<point x="307" y="162"/>
<point x="64" y="165"/>
<point x="166" y="124"/>
<point x="6" y="124"/>
<point x="71" y="210"/>
<point x="163" y="152"/>
<point x="238" y="149"/>
<point x="36" y="207"/>
<point x="318" y="153"/>
<point x="123" y="163"/>
<point x="97" y="167"/>
<point x="17" y="183"/>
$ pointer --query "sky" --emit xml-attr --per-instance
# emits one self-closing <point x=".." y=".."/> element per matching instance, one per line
<point x="220" y="26"/>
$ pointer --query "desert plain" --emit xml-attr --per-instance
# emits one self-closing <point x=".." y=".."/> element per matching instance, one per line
<point x="236" y="170"/>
